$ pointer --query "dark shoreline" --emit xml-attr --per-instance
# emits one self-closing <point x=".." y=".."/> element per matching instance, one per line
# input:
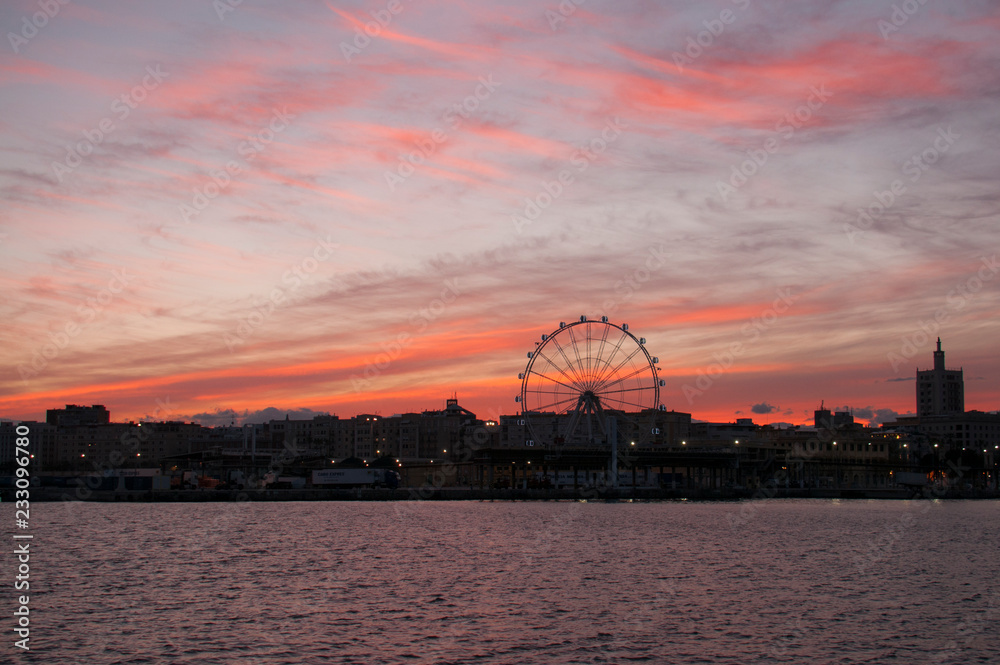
<point x="471" y="494"/>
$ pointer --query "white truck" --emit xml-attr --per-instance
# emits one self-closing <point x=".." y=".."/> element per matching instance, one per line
<point x="355" y="478"/>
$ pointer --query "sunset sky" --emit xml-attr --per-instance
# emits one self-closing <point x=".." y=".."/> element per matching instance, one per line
<point x="210" y="210"/>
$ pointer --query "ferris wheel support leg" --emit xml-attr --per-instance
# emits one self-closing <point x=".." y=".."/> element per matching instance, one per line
<point x="613" y="435"/>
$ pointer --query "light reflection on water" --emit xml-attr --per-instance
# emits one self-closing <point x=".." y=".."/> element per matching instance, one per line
<point x="466" y="582"/>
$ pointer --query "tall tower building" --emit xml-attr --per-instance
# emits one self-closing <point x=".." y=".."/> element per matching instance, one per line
<point x="940" y="391"/>
<point x="822" y="418"/>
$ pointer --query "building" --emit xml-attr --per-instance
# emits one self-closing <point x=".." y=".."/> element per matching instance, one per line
<point x="8" y="434"/>
<point x="651" y="428"/>
<point x="822" y="418"/>
<point x="443" y="431"/>
<point x="940" y="391"/>
<point x="941" y="415"/>
<point x="116" y="445"/>
<point x="743" y="428"/>
<point x="74" y="415"/>
<point x="972" y="429"/>
<point x="943" y="427"/>
<point x="427" y="435"/>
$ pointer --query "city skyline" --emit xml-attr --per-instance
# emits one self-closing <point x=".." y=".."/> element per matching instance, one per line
<point x="927" y="383"/>
<point x="374" y="206"/>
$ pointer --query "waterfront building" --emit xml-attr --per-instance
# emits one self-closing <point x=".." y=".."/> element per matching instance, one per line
<point x="743" y="428"/>
<point x="973" y="430"/>
<point x="116" y="445"/>
<point x="423" y="436"/>
<point x="42" y="441"/>
<point x="942" y="430"/>
<point x="940" y="391"/>
<point x="653" y="429"/>
<point x="74" y="415"/>
<point x="8" y="433"/>
<point x="941" y="416"/>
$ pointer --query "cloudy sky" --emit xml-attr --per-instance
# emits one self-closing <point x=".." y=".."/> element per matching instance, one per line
<point x="373" y="205"/>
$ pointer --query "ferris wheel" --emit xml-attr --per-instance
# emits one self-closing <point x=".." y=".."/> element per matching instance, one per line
<point x="580" y="376"/>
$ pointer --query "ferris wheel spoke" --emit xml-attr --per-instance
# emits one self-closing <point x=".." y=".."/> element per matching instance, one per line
<point x="621" y="379"/>
<point x="559" y="369"/>
<point x="574" y="398"/>
<point x="569" y="363"/>
<point x="595" y="361"/>
<point x="610" y="368"/>
<point x="585" y="366"/>
<point x="565" y="385"/>
<point x="641" y="407"/>
<point x="613" y="375"/>
<point x="603" y="372"/>
<point x="576" y="351"/>
<point x="604" y="340"/>
<point x="609" y="391"/>
<point x="591" y="342"/>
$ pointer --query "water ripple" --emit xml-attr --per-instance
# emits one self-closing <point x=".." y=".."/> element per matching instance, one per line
<point x="494" y="583"/>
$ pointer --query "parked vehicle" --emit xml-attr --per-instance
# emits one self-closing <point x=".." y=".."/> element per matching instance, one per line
<point x="355" y="478"/>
